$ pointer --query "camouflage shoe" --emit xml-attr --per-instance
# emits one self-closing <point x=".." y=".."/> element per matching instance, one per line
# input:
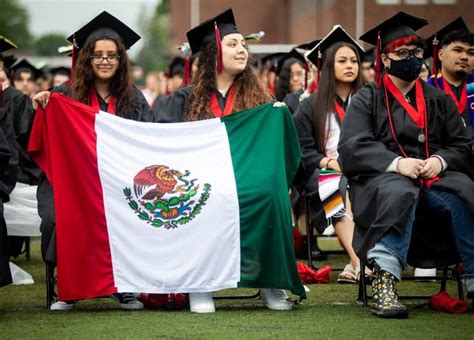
<point x="385" y="297"/>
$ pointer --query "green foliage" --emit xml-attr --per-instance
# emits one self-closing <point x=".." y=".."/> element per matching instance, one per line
<point x="153" y="55"/>
<point x="47" y="45"/>
<point x="14" y="23"/>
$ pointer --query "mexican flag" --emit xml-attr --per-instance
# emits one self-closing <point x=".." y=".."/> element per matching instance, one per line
<point x="162" y="208"/>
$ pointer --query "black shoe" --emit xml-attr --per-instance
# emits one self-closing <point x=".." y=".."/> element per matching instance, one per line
<point x="385" y="297"/>
<point x="127" y="300"/>
<point x="316" y="253"/>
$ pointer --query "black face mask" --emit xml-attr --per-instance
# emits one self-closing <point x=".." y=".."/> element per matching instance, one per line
<point x="406" y="69"/>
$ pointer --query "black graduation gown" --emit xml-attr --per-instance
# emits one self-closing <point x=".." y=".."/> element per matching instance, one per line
<point x="20" y="108"/>
<point x="292" y="100"/>
<point x="382" y="200"/>
<point x="175" y="105"/>
<point x="306" y="180"/>
<point x="141" y="112"/>
<point x="158" y="105"/>
<point x="6" y="141"/>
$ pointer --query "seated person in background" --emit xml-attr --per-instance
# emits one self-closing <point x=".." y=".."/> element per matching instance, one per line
<point x="404" y="145"/>
<point x="318" y="120"/>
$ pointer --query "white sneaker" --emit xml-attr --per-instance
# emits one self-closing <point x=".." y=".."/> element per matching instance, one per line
<point x="201" y="303"/>
<point x="62" y="305"/>
<point x="275" y="299"/>
<point x="420" y="272"/>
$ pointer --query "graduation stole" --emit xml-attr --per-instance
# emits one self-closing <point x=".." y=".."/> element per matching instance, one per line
<point x="339" y="109"/>
<point x="95" y="102"/>
<point x="461" y="104"/>
<point x="418" y="116"/>
<point x="215" y="107"/>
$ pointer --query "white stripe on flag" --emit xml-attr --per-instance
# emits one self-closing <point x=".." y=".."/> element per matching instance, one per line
<point x="202" y="255"/>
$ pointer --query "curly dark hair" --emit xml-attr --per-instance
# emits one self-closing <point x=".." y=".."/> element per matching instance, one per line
<point x="120" y="85"/>
<point x="248" y="92"/>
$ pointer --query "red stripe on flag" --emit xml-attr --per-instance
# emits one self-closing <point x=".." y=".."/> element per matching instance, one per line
<point x="63" y="143"/>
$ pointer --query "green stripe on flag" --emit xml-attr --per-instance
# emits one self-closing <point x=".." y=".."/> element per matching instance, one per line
<point x="265" y="156"/>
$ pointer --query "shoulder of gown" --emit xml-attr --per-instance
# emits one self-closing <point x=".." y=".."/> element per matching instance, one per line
<point x="173" y="109"/>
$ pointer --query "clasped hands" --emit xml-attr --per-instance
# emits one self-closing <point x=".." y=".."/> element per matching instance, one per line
<point x="415" y="168"/>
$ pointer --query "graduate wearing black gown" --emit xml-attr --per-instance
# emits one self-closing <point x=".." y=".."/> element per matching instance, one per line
<point x="103" y="82"/>
<point x="405" y="165"/>
<point x="6" y="141"/>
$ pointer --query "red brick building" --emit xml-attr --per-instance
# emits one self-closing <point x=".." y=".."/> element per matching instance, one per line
<point x="296" y="21"/>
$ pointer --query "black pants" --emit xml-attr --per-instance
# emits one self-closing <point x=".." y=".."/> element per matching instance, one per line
<point x="45" y="199"/>
<point x="5" y="274"/>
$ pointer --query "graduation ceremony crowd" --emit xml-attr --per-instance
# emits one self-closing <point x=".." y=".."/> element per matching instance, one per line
<point x="385" y="134"/>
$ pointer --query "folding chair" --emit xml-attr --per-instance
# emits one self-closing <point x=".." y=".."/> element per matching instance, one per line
<point x="427" y="251"/>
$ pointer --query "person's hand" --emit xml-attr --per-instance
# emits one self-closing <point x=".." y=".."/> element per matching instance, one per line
<point x="410" y="167"/>
<point x="334" y="164"/>
<point x="432" y="168"/>
<point x="278" y="104"/>
<point x="41" y="98"/>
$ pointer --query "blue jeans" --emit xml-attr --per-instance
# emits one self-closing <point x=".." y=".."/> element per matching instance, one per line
<point x="390" y="252"/>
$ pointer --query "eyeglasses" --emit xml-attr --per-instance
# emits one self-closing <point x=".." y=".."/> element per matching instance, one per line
<point x="405" y="53"/>
<point x="297" y="74"/>
<point x="99" y="59"/>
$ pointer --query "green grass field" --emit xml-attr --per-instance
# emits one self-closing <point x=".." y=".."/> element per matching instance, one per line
<point x="330" y="312"/>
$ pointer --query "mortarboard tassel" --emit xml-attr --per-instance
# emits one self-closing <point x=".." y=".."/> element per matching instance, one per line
<point x="435" y="57"/>
<point x="306" y="71"/>
<point x="219" y="48"/>
<point x="378" y="62"/>
<point x="75" y="49"/>
<point x="187" y="71"/>
<point x="320" y="58"/>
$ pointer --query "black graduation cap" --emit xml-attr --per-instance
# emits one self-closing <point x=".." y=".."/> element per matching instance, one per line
<point x="368" y="56"/>
<point x="270" y="60"/>
<point x="25" y="66"/>
<point x="104" y="26"/>
<point x="436" y="39"/>
<point x="176" y="67"/>
<point x="309" y="45"/>
<point x="205" y="32"/>
<point x="62" y="70"/>
<point x="6" y="44"/>
<point x="286" y="56"/>
<point x="8" y="61"/>
<point x="398" y="26"/>
<point x="337" y="34"/>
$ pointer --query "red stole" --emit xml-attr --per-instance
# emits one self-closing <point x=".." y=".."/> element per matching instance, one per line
<point x="461" y="104"/>
<point x="215" y="107"/>
<point x="340" y="110"/>
<point x="95" y="102"/>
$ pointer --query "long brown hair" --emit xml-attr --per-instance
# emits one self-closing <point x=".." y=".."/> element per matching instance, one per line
<point x="323" y="102"/>
<point x="248" y="90"/>
<point x="120" y="85"/>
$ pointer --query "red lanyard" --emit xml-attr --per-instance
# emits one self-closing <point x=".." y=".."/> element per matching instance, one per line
<point x="460" y="104"/>
<point x="95" y="102"/>
<point x="340" y="110"/>
<point x="215" y="107"/>
<point x="421" y="105"/>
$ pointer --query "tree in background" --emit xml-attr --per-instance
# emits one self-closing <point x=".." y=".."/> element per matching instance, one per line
<point x="154" y="55"/>
<point x="47" y="45"/>
<point x="14" y="23"/>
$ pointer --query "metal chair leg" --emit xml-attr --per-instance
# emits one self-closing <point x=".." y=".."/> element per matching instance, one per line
<point x="457" y="277"/>
<point x="49" y="284"/>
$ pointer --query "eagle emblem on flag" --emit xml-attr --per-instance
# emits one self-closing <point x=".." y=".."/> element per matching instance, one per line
<point x="165" y="197"/>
